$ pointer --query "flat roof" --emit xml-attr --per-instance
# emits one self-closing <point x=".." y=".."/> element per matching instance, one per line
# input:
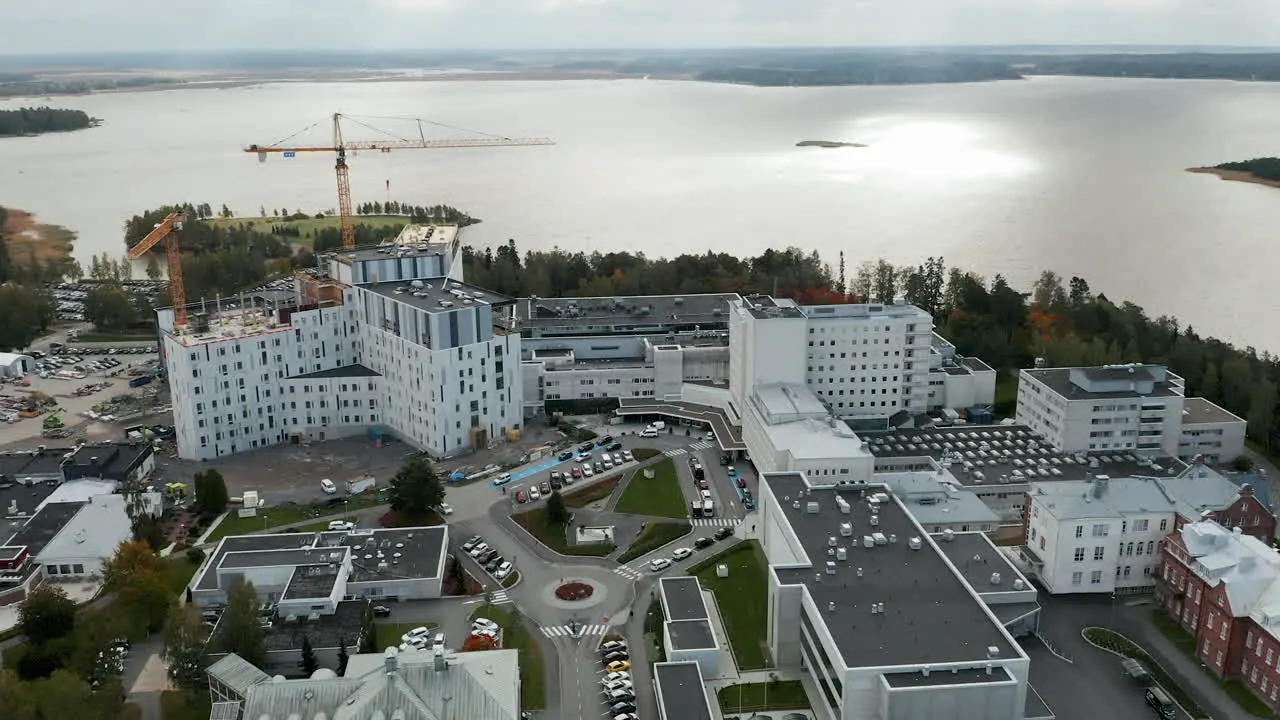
<point x="27" y="498"/>
<point x="1008" y="612"/>
<point x="977" y="558"/>
<point x="691" y="635"/>
<point x="728" y="435"/>
<point x="327" y="631"/>
<point x="311" y="581"/>
<point x="45" y="462"/>
<point x="340" y="372"/>
<point x="765" y="307"/>
<point x="998" y="451"/>
<point x="937" y="678"/>
<point x="434" y="290"/>
<point x="40" y="530"/>
<point x="112" y="457"/>
<point x="930" y="615"/>
<point x="207" y="577"/>
<point x="682" y="599"/>
<point x="391" y="250"/>
<point x="680" y="690"/>
<point x="268" y="558"/>
<point x="1059" y="381"/>
<point x="10" y="552"/>
<point x="644" y="310"/>
<point x="1197" y="410"/>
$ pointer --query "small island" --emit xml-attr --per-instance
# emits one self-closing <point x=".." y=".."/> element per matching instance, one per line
<point x="26" y="122"/>
<point x="1262" y="171"/>
<point x="828" y="144"/>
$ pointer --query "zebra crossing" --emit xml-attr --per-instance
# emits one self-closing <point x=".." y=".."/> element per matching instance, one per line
<point x="701" y="445"/>
<point x="584" y="631"/>
<point x="629" y="572"/>
<point x="500" y="597"/>
<point x="675" y="453"/>
<point x="714" y="522"/>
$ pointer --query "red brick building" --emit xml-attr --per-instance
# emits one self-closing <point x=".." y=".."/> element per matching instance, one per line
<point x="1223" y="587"/>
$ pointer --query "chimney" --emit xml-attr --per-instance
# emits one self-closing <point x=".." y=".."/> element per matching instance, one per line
<point x="1246" y="490"/>
<point x="390" y="661"/>
<point x="441" y="663"/>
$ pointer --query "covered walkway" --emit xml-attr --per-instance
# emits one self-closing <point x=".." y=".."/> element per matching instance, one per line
<point x="728" y="436"/>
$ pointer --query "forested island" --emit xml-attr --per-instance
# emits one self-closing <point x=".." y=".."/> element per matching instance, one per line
<point x="828" y="144"/>
<point x="1263" y="171"/>
<point x="34" y="121"/>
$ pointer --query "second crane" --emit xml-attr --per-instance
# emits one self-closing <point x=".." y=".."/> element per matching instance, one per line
<point x="341" y="145"/>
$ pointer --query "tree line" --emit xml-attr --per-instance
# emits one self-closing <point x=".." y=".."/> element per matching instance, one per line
<point x="443" y="214"/>
<point x="24" y="86"/>
<point x="33" y="121"/>
<point x="27" y="308"/>
<point x="1263" y="168"/>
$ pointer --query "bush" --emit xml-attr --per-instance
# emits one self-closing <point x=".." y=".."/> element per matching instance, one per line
<point x="195" y="555"/>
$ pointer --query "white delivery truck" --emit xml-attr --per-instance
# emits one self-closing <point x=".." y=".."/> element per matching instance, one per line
<point x="355" y="487"/>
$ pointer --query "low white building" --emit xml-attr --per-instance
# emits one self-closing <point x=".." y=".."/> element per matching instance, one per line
<point x="82" y="546"/>
<point x="938" y="501"/>
<point x="16" y="364"/>
<point x="687" y="632"/>
<point x="1102" y="535"/>
<point x="1211" y="432"/>
<point x="787" y="428"/>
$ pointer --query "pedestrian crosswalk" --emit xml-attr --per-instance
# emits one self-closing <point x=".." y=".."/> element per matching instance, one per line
<point x="570" y="631"/>
<point x="500" y="597"/>
<point x="628" y="572"/>
<point x="677" y="452"/>
<point x="701" y="445"/>
<point x="714" y="522"/>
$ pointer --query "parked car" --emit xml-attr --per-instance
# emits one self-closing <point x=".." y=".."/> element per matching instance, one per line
<point x="723" y="533"/>
<point x="616" y="655"/>
<point x="381" y="611"/>
<point x="487" y="556"/>
<point x="587" y="447"/>
<point x="493" y="563"/>
<point x="484" y="624"/>
<point x="703" y="542"/>
<point x="649" y="432"/>
<point x="628" y="456"/>
<point x="604" y="440"/>
<point x="502" y="479"/>
<point x="681" y="553"/>
<point x="740" y="481"/>
<point x="582" y="457"/>
<point x="341" y="525"/>
<point x="618" y="685"/>
<point x="471" y="543"/>
<point x="328" y="487"/>
<point x="618" y="676"/>
<point x="438" y="645"/>
<point x="555" y="482"/>
<point x="576" y="472"/>
<point x="545" y="487"/>
<point x="617" y="459"/>
<point x="702" y="484"/>
<point x="614" y="446"/>
<point x="566" y="455"/>
<point x="622" y="709"/>
<point x="619" y="665"/>
<point x="534" y="494"/>
<point x="445" y="509"/>
<point x="659" y="564"/>
<point x="417" y="633"/>
<point x="613" y="645"/>
<point x="608" y="463"/>
<point x="479" y="550"/>
<point x="521" y="497"/>
<point x="504" y="569"/>
<point x="725" y="460"/>
<point x="587" y="471"/>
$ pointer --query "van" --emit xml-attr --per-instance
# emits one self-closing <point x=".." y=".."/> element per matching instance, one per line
<point x="659" y="425"/>
<point x="1161" y="704"/>
<point x="328" y="487"/>
<point x="708" y="509"/>
<point x="502" y="479"/>
<point x="695" y="509"/>
<point x="649" y="433"/>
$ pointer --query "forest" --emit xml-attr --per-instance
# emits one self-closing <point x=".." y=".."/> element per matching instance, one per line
<point x="1061" y="321"/>
<point x="1263" y="168"/>
<point x="33" y="121"/>
<point x="28" y="307"/>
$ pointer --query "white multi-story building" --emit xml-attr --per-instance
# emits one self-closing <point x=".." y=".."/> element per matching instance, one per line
<point x="1134" y="408"/>
<point x="879" y="619"/>
<point x="389" y="337"/>
<point x="1103" y="534"/>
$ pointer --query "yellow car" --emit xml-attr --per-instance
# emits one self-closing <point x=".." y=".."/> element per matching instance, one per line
<point x="618" y="666"/>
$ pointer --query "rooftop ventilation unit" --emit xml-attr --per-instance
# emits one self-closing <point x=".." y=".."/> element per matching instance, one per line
<point x="914" y="543"/>
<point x="995" y="578"/>
<point x="831" y="567"/>
<point x="868" y="541"/>
<point x="949" y="535"/>
<point x="1019" y="585"/>
<point x="846" y="530"/>
<point x="811" y="507"/>
<point x="842" y="553"/>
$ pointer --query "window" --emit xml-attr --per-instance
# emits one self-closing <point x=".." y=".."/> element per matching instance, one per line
<point x="77" y="569"/>
<point x="1095" y="578"/>
<point x="1079" y="531"/>
<point x="1077" y="577"/>
<point x="1141" y="525"/>
<point x="1100" y="530"/>
<point x="1099" y="552"/>
<point x="1164" y="524"/>
<point x="1079" y="554"/>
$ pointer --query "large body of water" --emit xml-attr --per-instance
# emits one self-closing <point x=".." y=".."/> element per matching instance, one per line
<point x="1084" y="176"/>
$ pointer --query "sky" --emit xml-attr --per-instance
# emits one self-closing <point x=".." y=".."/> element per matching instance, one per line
<point x="175" y="25"/>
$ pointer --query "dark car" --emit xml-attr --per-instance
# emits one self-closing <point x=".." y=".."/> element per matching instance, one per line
<point x="586" y="447"/>
<point x="703" y="542"/>
<point x="622" y="707"/>
<point x="493" y="564"/>
<point x="545" y="487"/>
<point x="726" y="460"/>
<point x="381" y="611"/>
<point x="749" y="503"/>
<point x="724" y="532"/>
<point x="555" y="482"/>
<point x="598" y="467"/>
<point x="604" y="440"/>
<point x="488" y="557"/>
<point x="614" y="447"/>
<point x="471" y="543"/>
<point x="566" y="455"/>
<point x="615" y="656"/>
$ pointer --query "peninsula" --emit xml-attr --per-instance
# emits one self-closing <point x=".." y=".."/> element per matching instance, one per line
<point x="828" y="144"/>
<point x="34" y="121"/>
<point x="1261" y="171"/>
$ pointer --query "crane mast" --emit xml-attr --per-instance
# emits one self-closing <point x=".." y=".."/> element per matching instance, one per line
<point x="166" y="231"/>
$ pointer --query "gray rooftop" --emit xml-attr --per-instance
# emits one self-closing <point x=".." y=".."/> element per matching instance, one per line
<point x="237" y="673"/>
<point x="40" y="530"/>
<point x="639" y="311"/>
<point x="311" y="581"/>
<point x="27" y="497"/>
<point x="938" y="678"/>
<point x="1008" y="612"/>
<point x="681" y="694"/>
<point x="434" y="290"/>
<point x="268" y="558"/>
<point x="1000" y="451"/>
<point x="1198" y="410"/>
<point x="691" y="635"/>
<point x="976" y="558"/>
<point x="764" y="307"/>
<point x="1064" y="381"/>
<point x="682" y="599"/>
<point x="1197" y="490"/>
<point x="207" y="577"/>
<point x="385" y="251"/>
<point x="346" y="371"/>
<point x="930" y="616"/>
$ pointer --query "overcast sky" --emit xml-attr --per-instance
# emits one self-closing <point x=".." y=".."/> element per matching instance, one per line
<point x="166" y="25"/>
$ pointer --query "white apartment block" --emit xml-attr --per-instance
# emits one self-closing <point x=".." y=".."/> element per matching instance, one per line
<point x="1134" y="408"/>
<point x="1103" y="534"/>
<point x="430" y="358"/>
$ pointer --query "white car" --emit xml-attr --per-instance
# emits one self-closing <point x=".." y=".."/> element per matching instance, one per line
<point x="483" y="632"/>
<point x="484" y="624"/>
<point x="617" y="458"/>
<point x="649" y="433"/>
<point x="624" y="675"/>
<point x="582" y="457"/>
<point x="479" y="550"/>
<point x="710" y="436"/>
<point x="706" y="494"/>
<point x="659" y="564"/>
<point x="502" y="479"/>
<point x="608" y="463"/>
<point x="503" y="570"/>
<point x="681" y="553"/>
<point x="587" y="471"/>
<point x="613" y="645"/>
<point x="446" y="509"/>
<point x="626" y="455"/>
<point x="438" y="645"/>
<point x="342" y="525"/>
<point x="617" y="685"/>
<point x="328" y="487"/>
<point x="418" y="633"/>
<point x="534" y="493"/>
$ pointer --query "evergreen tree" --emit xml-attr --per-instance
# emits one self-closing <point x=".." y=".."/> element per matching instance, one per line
<point x="416" y="489"/>
<point x="556" y="510"/>
<point x="241" y="622"/>
<point x="309" y="662"/>
<point x="184" y="647"/>
<point x="342" y="656"/>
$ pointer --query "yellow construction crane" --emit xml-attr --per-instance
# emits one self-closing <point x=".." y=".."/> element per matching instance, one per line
<point x="167" y="231"/>
<point x="341" y="146"/>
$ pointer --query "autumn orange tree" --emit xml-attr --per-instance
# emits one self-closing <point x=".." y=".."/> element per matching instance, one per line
<point x="137" y="578"/>
<point x="475" y="643"/>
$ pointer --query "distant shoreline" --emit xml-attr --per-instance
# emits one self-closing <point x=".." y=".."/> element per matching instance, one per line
<point x="828" y="144"/>
<point x="1235" y="176"/>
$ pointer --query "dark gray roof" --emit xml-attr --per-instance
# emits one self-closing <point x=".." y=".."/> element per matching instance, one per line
<point x="41" y="528"/>
<point x="1198" y="410"/>
<point x="1059" y="380"/>
<point x="114" y="460"/>
<point x="44" y="462"/>
<point x="681" y="695"/>
<point x="385" y="251"/>
<point x="728" y="436"/>
<point x="1007" y="446"/>
<point x="9" y="552"/>
<point x="311" y="581"/>
<point x="937" y="678"/>
<point x="1008" y="612"/>
<point x="976" y="558"/>
<point x="682" y="598"/>
<point x="27" y="497"/>
<point x="691" y="635"/>
<point x="434" y="290"/>
<point x="340" y="372"/>
<point x="764" y="307"/>
<point x="268" y="558"/>
<point x="930" y="614"/>
<point x="642" y="311"/>
<point x="208" y="577"/>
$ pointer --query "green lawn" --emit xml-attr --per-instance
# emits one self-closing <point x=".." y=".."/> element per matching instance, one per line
<point x="553" y="535"/>
<point x="307" y="228"/>
<point x="515" y="636"/>
<point x="642" y="454"/>
<point x="743" y="600"/>
<point x="512" y="579"/>
<point x="388" y="634"/>
<point x="1187" y="644"/>
<point x="654" y="536"/>
<point x="278" y="515"/>
<point x="178" y="705"/>
<point x="757" y="697"/>
<point x="1118" y="643"/>
<point x="588" y="495"/>
<point x="178" y="572"/>
<point x="659" y="496"/>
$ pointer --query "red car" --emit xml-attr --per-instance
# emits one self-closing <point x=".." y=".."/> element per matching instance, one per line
<point x="702" y="484"/>
<point x="521" y="497"/>
<point x="576" y="473"/>
<point x="741" y="482"/>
